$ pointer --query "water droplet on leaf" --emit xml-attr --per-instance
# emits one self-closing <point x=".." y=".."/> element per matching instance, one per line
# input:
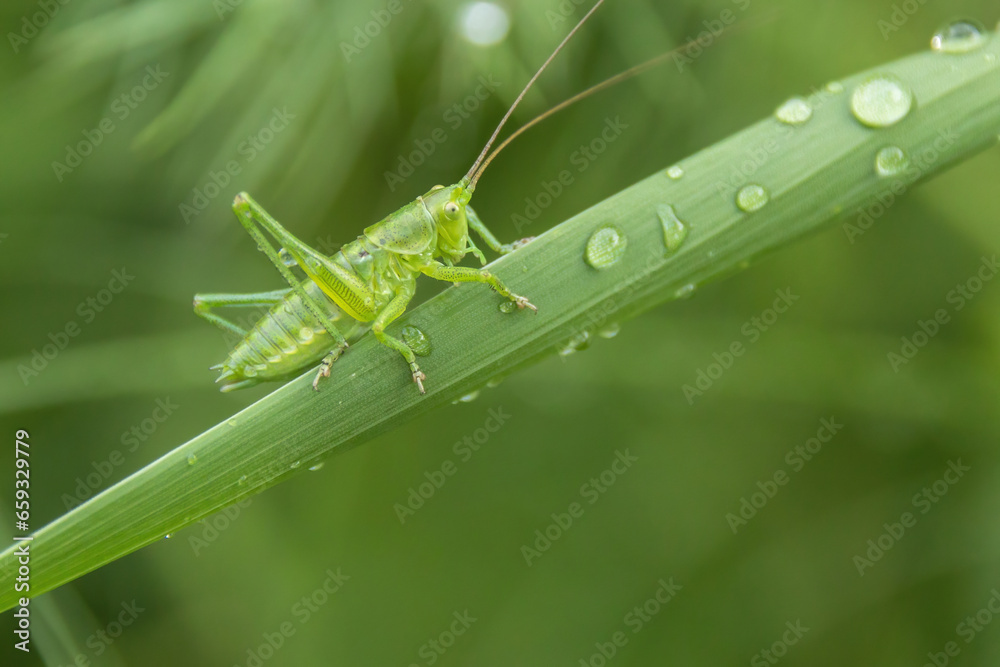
<point x="685" y="292"/>
<point x="891" y="161"/>
<point x="417" y="340"/>
<point x="881" y="101"/>
<point x="609" y="330"/>
<point x="674" y="230"/>
<point x="318" y="466"/>
<point x="192" y="459"/>
<point x="795" y="111"/>
<point x="675" y="172"/>
<point x="959" y="36"/>
<point x="605" y="247"/>
<point x="577" y="343"/>
<point x="752" y="198"/>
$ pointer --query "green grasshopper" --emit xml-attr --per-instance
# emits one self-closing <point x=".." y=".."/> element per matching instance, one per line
<point x="367" y="284"/>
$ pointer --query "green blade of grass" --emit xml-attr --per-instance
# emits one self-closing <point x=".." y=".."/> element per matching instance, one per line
<point x="814" y="172"/>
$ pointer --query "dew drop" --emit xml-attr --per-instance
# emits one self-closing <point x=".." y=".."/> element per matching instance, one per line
<point x="959" y="36"/>
<point x="296" y="464"/>
<point x="192" y="459"/>
<point x="231" y="422"/>
<point x="250" y="371"/>
<point x="493" y="383"/>
<point x="274" y="358"/>
<point x="242" y="480"/>
<point x="674" y="231"/>
<point x="609" y="330"/>
<point x="795" y="111"/>
<point x="685" y="292"/>
<point x="417" y="340"/>
<point x="891" y="161"/>
<point x="605" y="247"/>
<point x="507" y="307"/>
<point x="305" y="335"/>
<point x="835" y="87"/>
<point x="881" y="101"/>
<point x="577" y="343"/>
<point x="318" y="466"/>
<point x="752" y="198"/>
<point x="676" y="172"/>
<point x="286" y="258"/>
<point x="468" y="398"/>
<point x="167" y="536"/>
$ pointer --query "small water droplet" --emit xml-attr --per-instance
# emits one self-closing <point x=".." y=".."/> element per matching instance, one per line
<point x="274" y="359"/>
<point x="318" y="466"/>
<point x="675" y="172"/>
<point x="605" y="247"/>
<point x="242" y="480"/>
<point x="507" y="307"/>
<point x="891" y="161"/>
<point x="167" y="536"/>
<point x="959" y="36"/>
<point x="305" y="335"/>
<point x="881" y="101"/>
<point x="417" y="340"/>
<point x="835" y="87"/>
<point x="609" y="330"/>
<point x="468" y="398"/>
<point x="493" y="383"/>
<point x="231" y="422"/>
<point x="674" y="230"/>
<point x="577" y="343"/>
<point x="296" y="464"/>
<point x="685" y="292"/>
<point x="795" y="111"/>
<point x="286" y="258"/>
<point x="192" y="459"/>
<point x="250" y="371"/>
<point x="752" y="198"/>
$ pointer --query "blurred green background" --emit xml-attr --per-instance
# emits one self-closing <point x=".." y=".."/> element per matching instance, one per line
<point x="339" y="120"/>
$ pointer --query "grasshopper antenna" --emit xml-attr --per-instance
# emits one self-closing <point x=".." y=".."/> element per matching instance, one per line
<point x="483" y="162"/>
<point x="476" y="171"/>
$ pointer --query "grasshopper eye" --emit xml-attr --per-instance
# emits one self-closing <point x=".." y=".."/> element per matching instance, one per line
<point x="451" y="209"/>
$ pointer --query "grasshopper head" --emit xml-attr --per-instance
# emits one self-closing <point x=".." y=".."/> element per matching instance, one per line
<point x="447" y="207"/>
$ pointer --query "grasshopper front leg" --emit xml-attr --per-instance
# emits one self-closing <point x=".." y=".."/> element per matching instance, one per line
<point x="464" y="274"/>
<point x="477" y="225"/>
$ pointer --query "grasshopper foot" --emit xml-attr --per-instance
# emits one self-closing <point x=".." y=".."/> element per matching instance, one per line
<point x="324" y="366"/>
<point x="522" y="302"/>
<point x="418" y="377"/>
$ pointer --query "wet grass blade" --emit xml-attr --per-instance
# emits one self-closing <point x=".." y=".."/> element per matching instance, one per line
<point x="809" y="173"/>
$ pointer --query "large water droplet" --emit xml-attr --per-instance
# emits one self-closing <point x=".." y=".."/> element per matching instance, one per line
<point x="417" y="340"/>
<point x="959" y="36"/>
<point x="891" y="161"/>
<point x="674" y="230"/>
<point x="795" y="111"/>
<point x="609" y="330"/>
<point x="881" y="101"/>
<point x="675" y="172"/>
<point x="286" y="258"/>
<point x="752" y="198"/>
<point x="605" y="247"/>
<point x="577" y="343"/>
